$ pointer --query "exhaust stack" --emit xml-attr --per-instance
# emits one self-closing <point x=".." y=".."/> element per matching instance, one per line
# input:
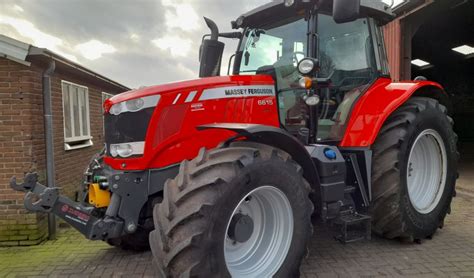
<point x="211" y="52"/>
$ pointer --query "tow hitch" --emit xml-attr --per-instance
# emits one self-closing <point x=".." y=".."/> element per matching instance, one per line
<point x="40" y="198"/>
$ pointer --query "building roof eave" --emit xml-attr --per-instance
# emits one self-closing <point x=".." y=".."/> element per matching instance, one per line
<point x="43" y="52"/>
<point x="14" y="59"/>
<point x="26" y="54"/>
<point x="13" y="49"/>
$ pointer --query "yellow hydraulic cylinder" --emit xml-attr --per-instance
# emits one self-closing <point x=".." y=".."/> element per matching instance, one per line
<point x="98" y="197"/>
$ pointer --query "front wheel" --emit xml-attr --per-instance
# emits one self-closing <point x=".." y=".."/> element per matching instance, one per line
<point x="240" y="211"/>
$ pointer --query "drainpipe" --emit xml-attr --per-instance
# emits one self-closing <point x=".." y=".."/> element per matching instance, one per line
<point x="48" y="134"/>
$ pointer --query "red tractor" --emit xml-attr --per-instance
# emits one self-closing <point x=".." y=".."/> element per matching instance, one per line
<point x="220" y="176"/>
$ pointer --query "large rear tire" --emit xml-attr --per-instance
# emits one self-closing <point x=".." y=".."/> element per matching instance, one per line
<point x="414" y="171"/>
<point x="239" y="211"/>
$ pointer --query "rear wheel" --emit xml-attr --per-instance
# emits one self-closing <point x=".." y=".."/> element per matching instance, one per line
<point x="241" y="211"/>
<point x="414" y="170"/>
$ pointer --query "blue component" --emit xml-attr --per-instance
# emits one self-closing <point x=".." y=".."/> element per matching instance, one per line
<point x="330" y="154"/>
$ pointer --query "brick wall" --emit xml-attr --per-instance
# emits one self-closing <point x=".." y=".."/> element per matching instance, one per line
<point x="22" y="146"/>
<point x="21" y="133"/>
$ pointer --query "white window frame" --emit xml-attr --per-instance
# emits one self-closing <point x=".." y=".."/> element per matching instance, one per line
<point x="76" y="142"/>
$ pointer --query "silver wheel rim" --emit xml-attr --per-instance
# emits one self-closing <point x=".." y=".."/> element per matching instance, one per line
<point x="266" y="249"/>
<point x="426" y="171"/>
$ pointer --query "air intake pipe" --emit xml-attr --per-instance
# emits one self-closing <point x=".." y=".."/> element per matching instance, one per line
<point x="211" y="52"/>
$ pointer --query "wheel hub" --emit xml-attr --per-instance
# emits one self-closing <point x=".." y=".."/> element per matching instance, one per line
<point x="259" y="233"/>
<point x="241" y="228"/>
<point x="426" y="171"/>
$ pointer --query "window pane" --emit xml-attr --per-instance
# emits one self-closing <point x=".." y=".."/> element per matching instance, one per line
<point x="281" y="47"/>
<point x="347" y="57"/>
<point x="343" y="48"/>
<point x="71" y="108"/>
<point x="67" y="111"/>
<point x="77" y="128"/>
<point x="85" y="124"/>
<point x="267" y="54"/>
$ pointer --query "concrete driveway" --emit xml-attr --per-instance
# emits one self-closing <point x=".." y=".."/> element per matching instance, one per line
<point x="449" y="254"/>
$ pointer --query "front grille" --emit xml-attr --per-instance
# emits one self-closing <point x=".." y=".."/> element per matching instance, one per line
<point x="127" y="127"/>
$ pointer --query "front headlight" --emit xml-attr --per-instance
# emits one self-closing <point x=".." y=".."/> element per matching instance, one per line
<point x="124" y="150"/>
<point x="312" y="100"/>
<point x="306" y="66"/>
<point x="127" y="149"/>
<point x="135" y="105"/>
<point x="116" y="109"/>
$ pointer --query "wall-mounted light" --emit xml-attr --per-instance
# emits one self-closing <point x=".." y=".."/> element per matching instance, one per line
<point x="420" y="63"/>
<point x="464" y="49"/>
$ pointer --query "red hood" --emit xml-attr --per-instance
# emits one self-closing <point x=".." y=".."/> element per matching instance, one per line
<point x="197" y="84"/>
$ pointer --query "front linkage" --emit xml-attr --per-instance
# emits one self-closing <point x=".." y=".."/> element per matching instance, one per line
<point x="119" y="216"/>
<point x="40" y="198"/>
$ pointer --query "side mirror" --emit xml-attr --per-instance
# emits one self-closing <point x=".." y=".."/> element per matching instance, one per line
<point x="345" y="10"/>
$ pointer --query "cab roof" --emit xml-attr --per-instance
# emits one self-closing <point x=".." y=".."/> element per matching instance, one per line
<point x="268" y="13"/>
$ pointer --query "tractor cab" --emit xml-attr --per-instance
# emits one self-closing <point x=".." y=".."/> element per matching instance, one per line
<point x="320" y="66"/>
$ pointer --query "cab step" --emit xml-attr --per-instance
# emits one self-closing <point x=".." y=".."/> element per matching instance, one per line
<point x="353" y="227"/>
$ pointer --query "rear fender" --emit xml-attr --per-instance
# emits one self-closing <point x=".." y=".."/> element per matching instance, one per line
<point x="379" y="102"/>
<point x="277" y="138"/>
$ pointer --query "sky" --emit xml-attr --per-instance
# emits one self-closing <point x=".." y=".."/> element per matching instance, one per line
<point x="134" y="42"/>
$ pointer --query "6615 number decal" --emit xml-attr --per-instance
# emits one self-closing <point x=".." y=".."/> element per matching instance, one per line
<point x="265" y="102"/>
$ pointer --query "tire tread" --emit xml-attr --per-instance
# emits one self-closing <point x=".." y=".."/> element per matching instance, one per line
<point x="387" y="216"/>
<point x="190" y="197"/>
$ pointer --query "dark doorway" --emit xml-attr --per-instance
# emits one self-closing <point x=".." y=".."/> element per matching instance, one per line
<point x="449" y="27"/>
<point x="446" y="25"/>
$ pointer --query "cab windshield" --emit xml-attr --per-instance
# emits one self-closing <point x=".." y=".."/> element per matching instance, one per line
<point x="281" y="47"/>
<point x="345" y="53"/>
